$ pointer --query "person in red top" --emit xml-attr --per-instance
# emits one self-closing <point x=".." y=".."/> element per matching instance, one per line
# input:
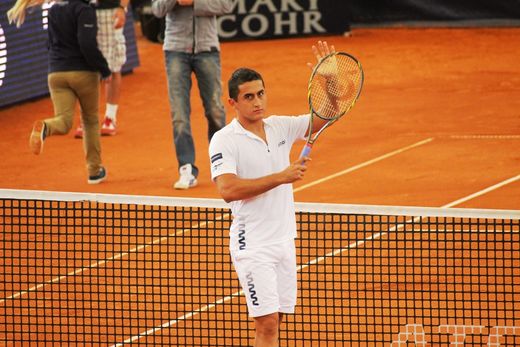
<point x="75" y="66"/>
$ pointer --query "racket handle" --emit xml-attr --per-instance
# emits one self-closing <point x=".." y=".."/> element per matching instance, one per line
<point x="306" y="150"/>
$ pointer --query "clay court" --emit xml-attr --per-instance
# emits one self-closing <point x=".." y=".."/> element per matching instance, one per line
<point x="450" y="93"/>
<point x="437" y="125"/>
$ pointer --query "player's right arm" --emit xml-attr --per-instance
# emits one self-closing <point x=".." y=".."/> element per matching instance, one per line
<point x="232" y="188"/>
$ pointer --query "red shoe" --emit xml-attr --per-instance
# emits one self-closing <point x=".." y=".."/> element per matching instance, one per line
<point x="78" y="134"/>
<point x="108" y="128"/>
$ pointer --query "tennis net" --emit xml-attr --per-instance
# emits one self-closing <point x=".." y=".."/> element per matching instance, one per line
<point x="111" y="270"/>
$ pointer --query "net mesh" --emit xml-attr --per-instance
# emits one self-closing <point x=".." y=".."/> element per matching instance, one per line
<point x="335" y="85"/>
<point x="111" y="270"/>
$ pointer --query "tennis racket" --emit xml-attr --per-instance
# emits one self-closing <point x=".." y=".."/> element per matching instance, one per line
<point x="334" y="87"/>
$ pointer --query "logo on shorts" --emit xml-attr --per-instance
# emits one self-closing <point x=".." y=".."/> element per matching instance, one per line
<point x="251" y="288"/>
<point x="281" y="143"/>
<point x="241" y="236"/>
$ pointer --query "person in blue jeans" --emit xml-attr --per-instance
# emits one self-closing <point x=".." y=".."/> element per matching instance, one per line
<point x="191" y="45"/>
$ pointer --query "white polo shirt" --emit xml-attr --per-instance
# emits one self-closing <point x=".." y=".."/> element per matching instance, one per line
<point x="269" y="217"/>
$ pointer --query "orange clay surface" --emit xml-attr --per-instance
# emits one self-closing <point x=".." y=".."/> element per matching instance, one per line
<point x="450" y="94"/>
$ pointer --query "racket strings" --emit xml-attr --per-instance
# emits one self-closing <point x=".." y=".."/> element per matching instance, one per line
<point x="335" y="86"/>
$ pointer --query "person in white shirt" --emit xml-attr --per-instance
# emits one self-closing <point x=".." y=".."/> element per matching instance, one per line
<point x="251" y="167"/>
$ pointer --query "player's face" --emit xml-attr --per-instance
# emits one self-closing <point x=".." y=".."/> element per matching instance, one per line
<point x="251" y="101"/>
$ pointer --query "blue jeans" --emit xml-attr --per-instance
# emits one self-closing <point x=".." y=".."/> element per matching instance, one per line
<point x="179" y="67"/>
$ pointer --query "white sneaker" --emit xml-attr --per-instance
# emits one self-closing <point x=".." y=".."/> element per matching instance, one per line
<point x="186" y="179"/>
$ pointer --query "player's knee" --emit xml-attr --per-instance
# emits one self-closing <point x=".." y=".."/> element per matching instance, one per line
<point x="268" y="325"/>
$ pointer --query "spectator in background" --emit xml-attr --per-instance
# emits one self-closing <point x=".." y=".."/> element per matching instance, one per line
<point x="111" y="16"/>
<point x="75" y="64"/>
<point x="191" y="44"/>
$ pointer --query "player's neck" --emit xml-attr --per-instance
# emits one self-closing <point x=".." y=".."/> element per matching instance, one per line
<point x="254" y="126"/>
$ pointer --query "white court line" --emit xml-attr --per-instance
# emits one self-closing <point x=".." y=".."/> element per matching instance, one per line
<point x="483" y="191"/>
<point x="362" y="165"/>
<point x="485" y="137"/>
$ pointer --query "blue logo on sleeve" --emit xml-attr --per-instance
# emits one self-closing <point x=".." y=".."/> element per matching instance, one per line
<point x="216" y="157"/>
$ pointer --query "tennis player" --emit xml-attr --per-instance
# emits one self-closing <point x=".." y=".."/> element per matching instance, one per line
<point x="251" y="167"/>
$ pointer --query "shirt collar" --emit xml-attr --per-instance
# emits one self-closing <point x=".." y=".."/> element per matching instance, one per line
<point x="239" y="129"/>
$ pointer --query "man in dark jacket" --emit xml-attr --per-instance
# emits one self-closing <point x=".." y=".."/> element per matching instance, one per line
<point x="75" y="65"/>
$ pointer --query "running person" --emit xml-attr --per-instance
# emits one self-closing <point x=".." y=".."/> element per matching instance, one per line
<point x="251" y="167"/>
<point x="75" y="68"/>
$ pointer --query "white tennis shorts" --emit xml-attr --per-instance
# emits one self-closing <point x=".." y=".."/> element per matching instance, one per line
<point x="268" y="278"/>
<point x="111" y="42"/>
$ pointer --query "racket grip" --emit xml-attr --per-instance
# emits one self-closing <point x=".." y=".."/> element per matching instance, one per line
<point x="306" y="150"/>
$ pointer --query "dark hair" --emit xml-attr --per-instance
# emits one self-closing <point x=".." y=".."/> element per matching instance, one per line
<point x="241" y="76"/>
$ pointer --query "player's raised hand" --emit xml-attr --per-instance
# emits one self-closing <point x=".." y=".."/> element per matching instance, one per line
<point x="320" y="50"/>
